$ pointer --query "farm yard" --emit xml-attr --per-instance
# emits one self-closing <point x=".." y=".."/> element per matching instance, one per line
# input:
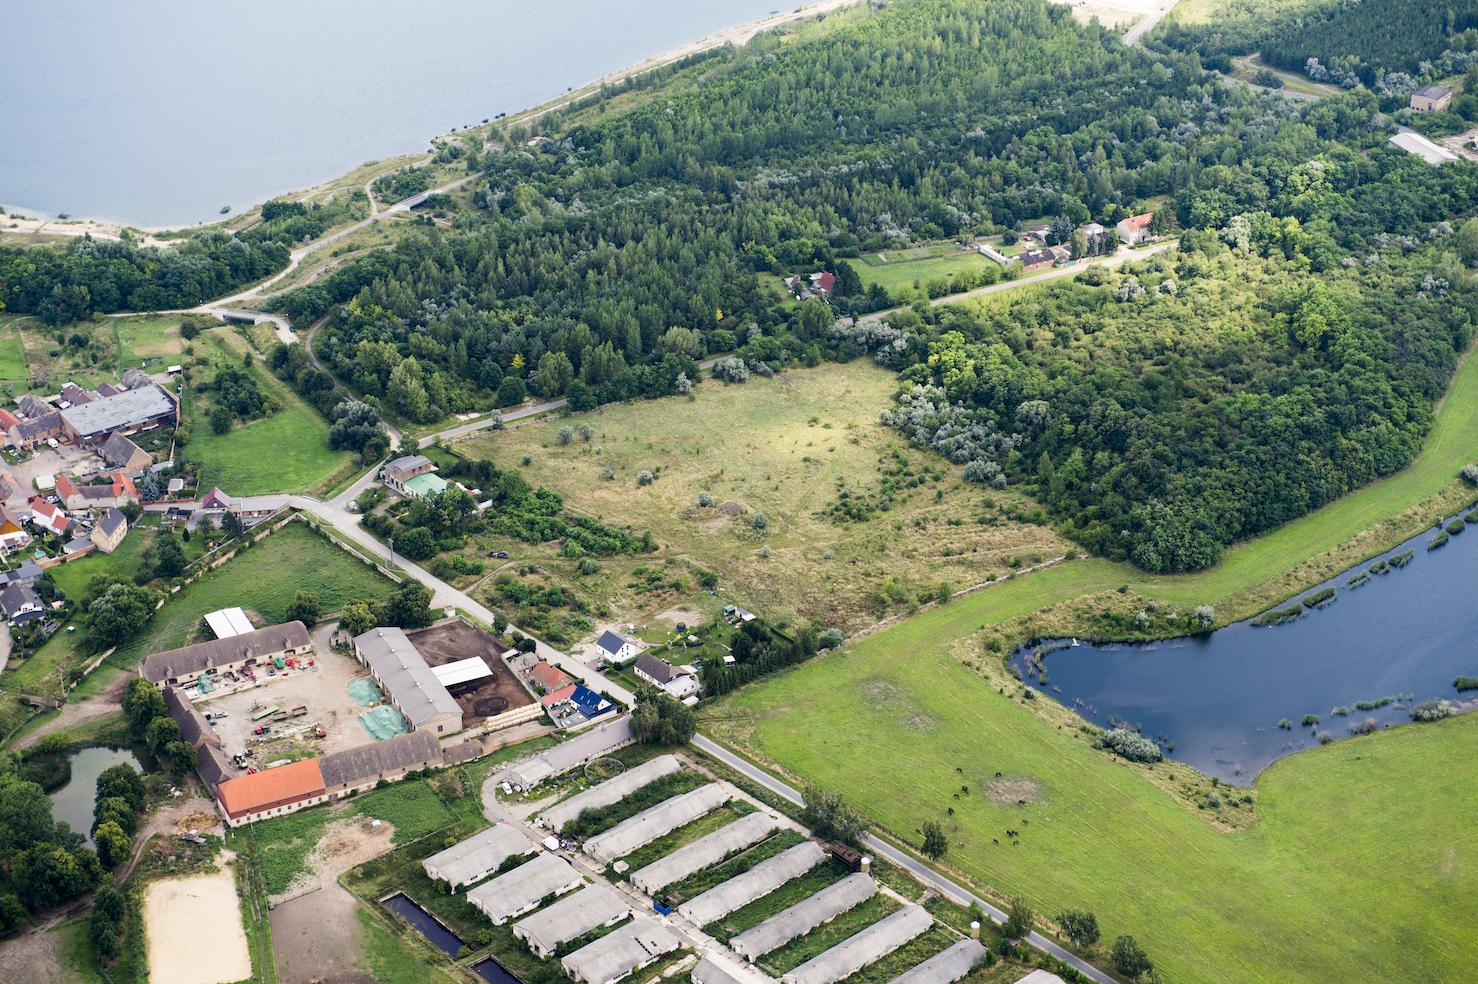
<point x="855" y="523"/>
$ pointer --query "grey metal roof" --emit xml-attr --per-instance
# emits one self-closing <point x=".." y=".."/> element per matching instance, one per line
<point x="28" y="571"/>
<point x="610" y="642"/>
<point x="647" y="826"/>
<point x="618" y="953"/>
<point x="412" y="685"/>
<point x="111" y="521"/>
<point x="484" y="852"/>
<point x="945" y="967"/>
<point x="708" y="972"/>
<point x="194" y="728"/>
<point x="271" y="641"/>
<point x="565" y="756"/>
<point x="1433" y="91"/>
<point x="117" y="450"/>
<point x="804" y="916"/>
<point x="705" y="851"/>
<point x="17" y="597"/>
<point x="613" y="790"/>
<point x="570" y="918"/>
<point x="855" y="952"/>
<point x="760" y="880"/>
<point x="213" y="765"/>
<point x="416" y="750"/>
<point x="516" y="891"/>
<point x="408" y="462"/>
<point x="127" y="409"/>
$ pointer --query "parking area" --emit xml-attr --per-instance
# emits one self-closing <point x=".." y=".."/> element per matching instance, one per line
<point x="491" y="696"/>
<point x="68" y="459"/>
<point x="323" y="689"/>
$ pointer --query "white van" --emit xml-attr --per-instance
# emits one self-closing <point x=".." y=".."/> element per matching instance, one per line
<point x="51" y="442"/>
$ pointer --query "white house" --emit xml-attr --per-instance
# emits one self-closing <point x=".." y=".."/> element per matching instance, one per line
<point x="614" y="649"/>
<point x="680" y="682"/>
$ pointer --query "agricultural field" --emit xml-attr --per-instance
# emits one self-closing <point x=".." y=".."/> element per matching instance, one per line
<point x="12" y="355"/>
<point x="1356" y="844"/>
<point x="906" y="278"/>
<point x="284" y="452"/>
<point x="806" y="450"/>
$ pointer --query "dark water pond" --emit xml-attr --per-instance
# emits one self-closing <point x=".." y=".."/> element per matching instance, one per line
<point x="1377" y="647"/>
<point x="73" y="803"/>
<point x="493" y="972"/>
<point x="425" y="923"/>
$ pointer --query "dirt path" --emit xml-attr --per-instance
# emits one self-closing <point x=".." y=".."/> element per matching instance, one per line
<point x="188" y="812"/>
<point x="76" y="714"/>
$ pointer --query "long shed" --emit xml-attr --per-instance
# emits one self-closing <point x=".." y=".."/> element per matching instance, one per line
<point x="604" y="794"/>
<point x="807" y="914"/>
<point x="760" y="880"/>
<point x="855" y="952"/>
<point x="662" y="819"/>
<point x="705" y="851"/>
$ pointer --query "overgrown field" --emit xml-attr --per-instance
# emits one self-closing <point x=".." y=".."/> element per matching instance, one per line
<point x="798" y="449"/>
<point x="1358" y="868"/>
<point x="908" y="279"/>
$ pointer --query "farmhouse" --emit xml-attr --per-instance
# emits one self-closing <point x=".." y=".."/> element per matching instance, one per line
<point x="589" y="909"/>
<point x="28" y="433"/>
<point x="478" y="856"/>
<point x="45" y="516"/>
<point x="272" y="792"/>
<point x="397" y="474"/>
<point x="677" y="681"/>
<point x="549" y="678"/>
<point x="411" y="685"/>
<point x="1037" y="259"/>
<point x="120" y="491"/>
<point x="129" y="412"/>
<point x="614" y="649"/>
<point x="110" y="531"/>
<point x="121" y="453"/>
<point x="12" y="536"/>
<point x="815" y="286"/>
<point x="183" y="666"/>
<point x="1431" y="99"/>
<point x="516" y="892"/>
<point x="1135" y="229"/>
<point x="20" y="604"/>
<point x="617" y="954"/>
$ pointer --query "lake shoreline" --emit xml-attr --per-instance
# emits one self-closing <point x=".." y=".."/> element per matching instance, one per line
<point x="103" y="227"/>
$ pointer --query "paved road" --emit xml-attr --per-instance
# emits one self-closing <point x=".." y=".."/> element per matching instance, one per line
<point x="1148" y="21"/>
<point x="947" y="887"/>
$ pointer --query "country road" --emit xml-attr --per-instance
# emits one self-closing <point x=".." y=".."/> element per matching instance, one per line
<point x="1147" y="23"/>
<point x="925" y="874"/>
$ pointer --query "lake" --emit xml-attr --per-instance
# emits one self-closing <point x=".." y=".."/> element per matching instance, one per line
<point x="73" y="803"/>
<point x="1216" y="701"/>
<point x="159" y="112"/>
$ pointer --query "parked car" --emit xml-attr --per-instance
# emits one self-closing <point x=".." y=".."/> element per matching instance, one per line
<point x="498" y="554"/>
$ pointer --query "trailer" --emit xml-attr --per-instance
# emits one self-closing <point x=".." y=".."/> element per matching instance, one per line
<point x="300" y="710"/>
<point x="257" y="715"/>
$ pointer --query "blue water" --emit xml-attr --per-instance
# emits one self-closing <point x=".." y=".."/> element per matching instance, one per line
<point x="1215" y="701"/>
<point x="158" y="112"/>
<point x="425" y="923"/>
<point x="73" y="804"/>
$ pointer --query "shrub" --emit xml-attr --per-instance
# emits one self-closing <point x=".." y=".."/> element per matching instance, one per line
<point x="704" y="500"/>
<point x="1285" y="724"/>
<point x="1455" y="526"/>
<point x="645" y="478"/>
<point x="1470" y="474"/>
<point x="1431" y="710"/>
<point x="1463" y="683"/>
<point x="832" y="638"/>
<point x="760" y="521"/>
<point x="1130" y="745"/>
<point x="566" y="435"/>
<point x="1129" y="959"/>
<point x="1440" y="540"/>
<point x="1311" y="721"/>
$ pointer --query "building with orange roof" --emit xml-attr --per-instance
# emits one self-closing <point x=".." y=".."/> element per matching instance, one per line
<point x="272" y="792"/>
<point x="549" y="678"/>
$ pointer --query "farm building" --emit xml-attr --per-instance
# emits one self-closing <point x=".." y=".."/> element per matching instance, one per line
<point x="1037" y="259"/>
<point x="361" y="768"/>
<point x="478" y="856"/>
<point x="564" y="757"/>
<point x="856" y="952"/>
<point x="515" y="892"/>
<point x="613" y="790"/>
<point x="1040" y="976"/>
<point x="549" y="678"/>
<point x="760" y="880"/>
<point x="1135" y="229"/>
<point x="181" y="667"/>
<point x="804" y="916"/>
<point x="119" y="452"/>
<point x="709" y="972"/>
<point x="411" y="685"/>
<point x="705" y="851"/>
<point x="228" y="622"/>
<point x="1414" y="143"/>
<point x="1431" y="99"/>
<point x="401" y="471"/>
<point x="945" y="967"/>
<point x="660" y="820"/>
<point x="618" y="953"/>
<point x="570" y="918"/>
<point x="128" y="413"/>
<point x="271" y="792"/>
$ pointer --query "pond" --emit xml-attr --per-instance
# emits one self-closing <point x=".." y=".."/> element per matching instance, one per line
<point x="73" y="803"/>
<point x="1364" y="648"/>
<point x="494" y="973"/>
<point x="424" y="923"/>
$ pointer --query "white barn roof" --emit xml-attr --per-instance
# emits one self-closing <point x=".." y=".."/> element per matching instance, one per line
<point x="565" y="756"/>
<point x="947" y="966"/>
<point x="229" y="622"/>
<point x="515" y="892"/>
<point x="760" y="880"/>
<point x="855" y="952"/>
<point x="613" y="790"/>
<point x="461" y="671"/>
<point x="570" y="918"/>
<point x="647" y="826"/>
<point x="478" y="855"/>
<point x="412" y="685"/>
<point x="704" y="852"/>
<point x="804" y="916"/>
<point x="618" y="953"/>
<point x="1415" y="143"/>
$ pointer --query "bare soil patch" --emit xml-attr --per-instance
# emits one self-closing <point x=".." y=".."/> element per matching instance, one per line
<point x="193" y="931"/>
<point x="451" y="641"/>
<point x="1013" y="790"/>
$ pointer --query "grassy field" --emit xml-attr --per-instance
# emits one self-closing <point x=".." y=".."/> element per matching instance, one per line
<point x="151" y="341"/>
<point x="904" y="279"/>
<point x="12" y="355"/>
<point x="786" y="447"/>
<point x="285" y="452"/>
<point x="1358" y="867"/>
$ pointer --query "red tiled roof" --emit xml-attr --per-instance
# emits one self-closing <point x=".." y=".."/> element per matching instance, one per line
<point x="8" y="419"/>
<point x="562" y="694"/>
<point x="1140" y="221"/>
<point x="65" y="487"/>
<point x="270" y="788"/>
<point x="826" y="282"/>
<point x="549" y="677"/>
<point x="122" y="483"/>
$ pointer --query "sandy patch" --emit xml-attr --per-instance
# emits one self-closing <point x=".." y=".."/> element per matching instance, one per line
<point x="193" y="931"/>
<point x="1013" y="790"/>
<point x="345" y="844"/>
<point x="682" y="616"/>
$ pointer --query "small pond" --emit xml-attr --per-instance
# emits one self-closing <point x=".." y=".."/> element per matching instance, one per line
<point x="424" y="923"/>
<point x="1368" y="646"/>
<point x="493" y="972"/>
<point x="73" y="803"/>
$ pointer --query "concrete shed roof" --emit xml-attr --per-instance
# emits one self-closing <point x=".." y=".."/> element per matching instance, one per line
<point x="618" y="953"/>
<point x="1040" y="976"/>
<point x="709" y="972"/>
<point x="512" y="892"/>
<point x="127" y="409"/>
<point x="662" y="819"/>
<point x="613" y="790"/>
<point x="571" y="917"/>
<point x="705" y="851"/>
<point x="412" y="684"/>
<point x="202" y="656"/>
<point x="577" y="751"/>
<point x="485" y="851"/>
<point x="415" y="749"/>
<point x="804" y="916"/>
<point x="760" y="880"/>
<point x="855" y="952"/>
<point x="947" y="966"/>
